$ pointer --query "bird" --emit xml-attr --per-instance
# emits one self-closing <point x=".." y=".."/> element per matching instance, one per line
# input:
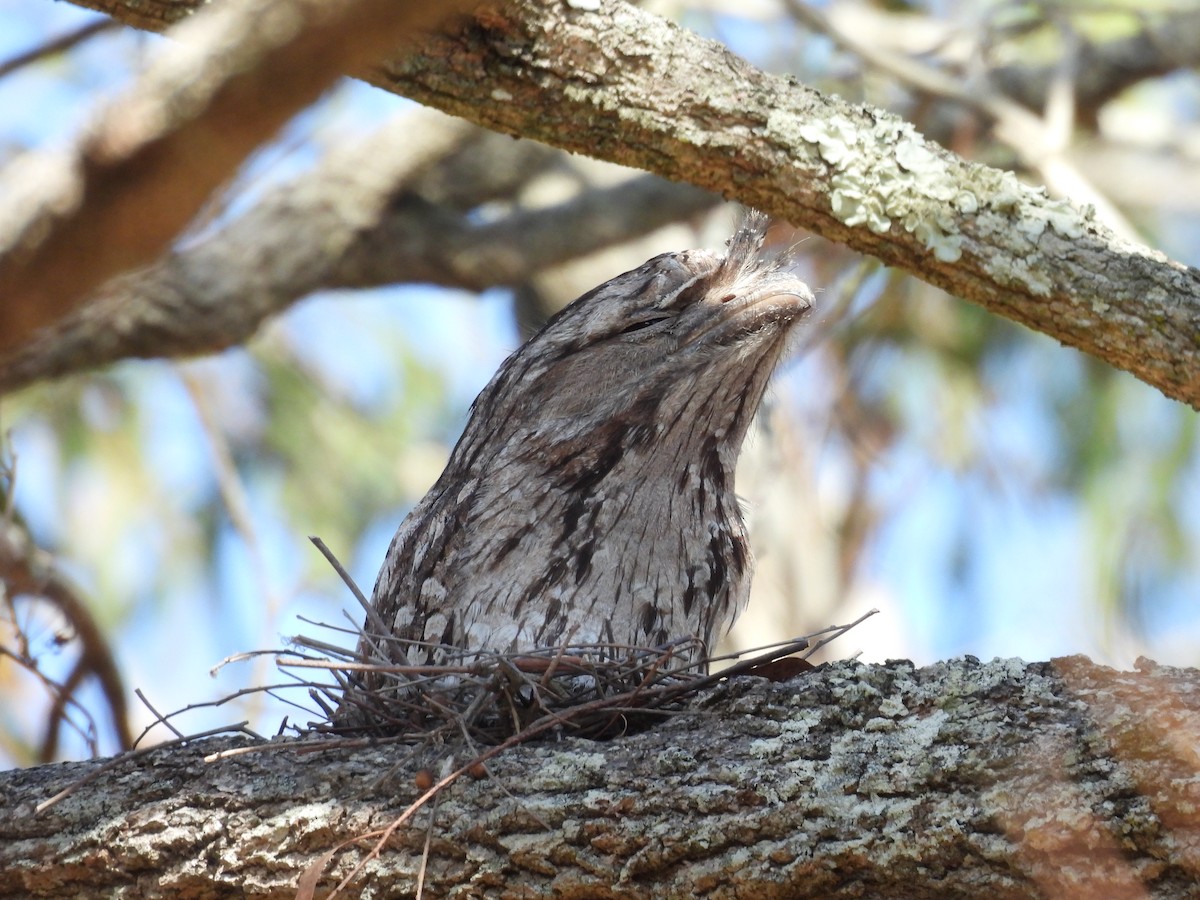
<point x="590" y="499"/>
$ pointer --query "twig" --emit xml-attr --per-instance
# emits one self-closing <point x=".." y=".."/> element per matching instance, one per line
<point x="60" y="44"/>
<point x="839" y="631"/>
<point x="372" y="615"/>
<point x="425" y="850"/>
<point x="27" y="569"/>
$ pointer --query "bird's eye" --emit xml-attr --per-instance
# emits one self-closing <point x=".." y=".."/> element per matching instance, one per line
<point x="644" y="323"/>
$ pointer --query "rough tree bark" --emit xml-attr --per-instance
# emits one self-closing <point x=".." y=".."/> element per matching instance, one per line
<point x="964" y="779"/>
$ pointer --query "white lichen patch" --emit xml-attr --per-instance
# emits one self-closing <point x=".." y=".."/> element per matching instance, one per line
<point x="968" y="685"/>
<point x="569" y="771"/>
<point x="886" y="173"/>
<point x="902" y="752"/>
<point x="792" y="730"/>
<point x="1029" y="210"/>
<point x="1015" y="219"/>
<point x="883" y="172"/>
<point x="892" y="708"/>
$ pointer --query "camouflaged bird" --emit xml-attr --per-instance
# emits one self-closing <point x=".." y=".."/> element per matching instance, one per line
<point x="591" y="497"/>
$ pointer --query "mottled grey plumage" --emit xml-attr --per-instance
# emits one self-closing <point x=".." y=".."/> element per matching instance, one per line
<point x="591" y="497"/>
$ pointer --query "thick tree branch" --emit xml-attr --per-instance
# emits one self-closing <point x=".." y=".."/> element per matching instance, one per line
<point x="1055" y="780"/>
<point x="123" y="193"/>
<point x="626" y="86"/>
<point x="631" y="88"/>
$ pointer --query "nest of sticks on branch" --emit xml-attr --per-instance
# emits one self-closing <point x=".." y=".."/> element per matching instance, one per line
<point x="591" y="691"/>
<point x="480" y="698"/>
<point x="485" y="698"/>
<point x="594" y="691"/>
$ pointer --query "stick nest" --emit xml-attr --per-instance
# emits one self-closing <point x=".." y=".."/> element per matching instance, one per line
<point x="487" y="698"/>
<point x="595" y="691"/>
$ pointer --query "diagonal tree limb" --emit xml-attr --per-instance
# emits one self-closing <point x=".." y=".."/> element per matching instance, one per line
<point x="1039" y="142"/>
<point x="54" y="46"/>
<point x="634" y="89"/>
<point x="133" y="180"/>
<point x="352" y="222"/>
